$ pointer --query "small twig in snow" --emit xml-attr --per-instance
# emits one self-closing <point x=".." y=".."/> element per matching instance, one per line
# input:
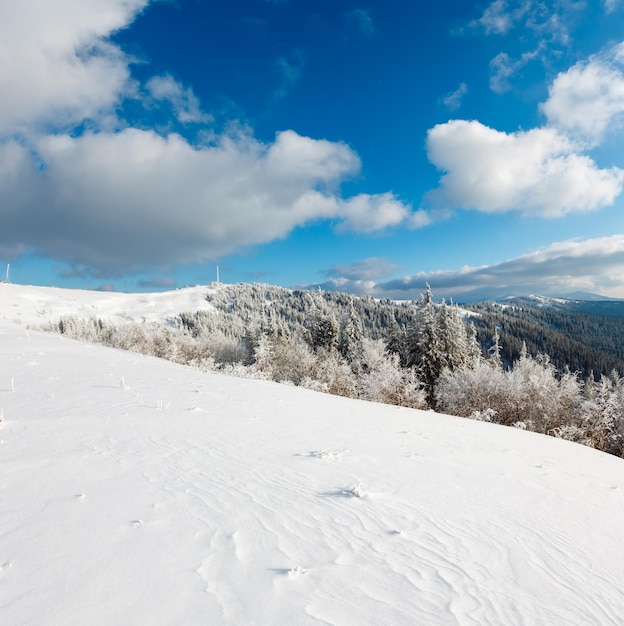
<point x="355" y="491"/>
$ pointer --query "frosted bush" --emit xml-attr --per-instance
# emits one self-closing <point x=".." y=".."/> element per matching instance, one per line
<point x="530" y="393"/>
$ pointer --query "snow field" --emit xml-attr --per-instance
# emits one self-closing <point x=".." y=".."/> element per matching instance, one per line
<point x="135" y="491"/>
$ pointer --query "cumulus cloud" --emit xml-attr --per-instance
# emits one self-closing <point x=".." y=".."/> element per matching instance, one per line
<point x="130" y="199"/>
<point x="588" y="99"/>
<point x="536" y="172"/>
<point x="59" y="65"/>
<point x="344" y="285"/>
<point x="452" y="101"/>
<point x="594" y="265"/>
<point x="363" y="270"/>
<point x="183" y="101"/>
<point x="115" y="199"/>
<point x="366" y="213"/>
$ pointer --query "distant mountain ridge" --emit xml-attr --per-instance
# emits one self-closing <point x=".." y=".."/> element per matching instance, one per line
<point x="592" y="304"/>
<point x="585" y="335"/>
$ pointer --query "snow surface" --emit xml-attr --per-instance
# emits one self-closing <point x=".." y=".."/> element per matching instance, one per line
<point x="37" y="305"/>
<point x="136" y="491"/>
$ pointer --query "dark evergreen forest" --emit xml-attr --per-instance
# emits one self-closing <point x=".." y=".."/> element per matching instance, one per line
<point x="583" y="342"/>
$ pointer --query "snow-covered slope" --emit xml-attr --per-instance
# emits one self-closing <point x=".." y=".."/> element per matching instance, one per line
<point x="37" y="305"/>
<point x="135" y="491"/>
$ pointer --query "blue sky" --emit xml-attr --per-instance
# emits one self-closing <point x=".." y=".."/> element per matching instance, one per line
<point x="368" y="147"/>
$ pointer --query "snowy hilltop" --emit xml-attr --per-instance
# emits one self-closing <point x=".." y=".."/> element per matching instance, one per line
<point x="136" y="490"/>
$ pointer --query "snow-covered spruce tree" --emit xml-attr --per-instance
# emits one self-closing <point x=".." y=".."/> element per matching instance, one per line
<point x="439" y="342"/>
<point x="323" y="331"/>
<point x="349" y="343"/>
<point x="495" y="351"/>
<point x="396" y="342"/>
<point x="424" y="348"/>
<point x="473" y="347"/>
<point x="454" y="338"/>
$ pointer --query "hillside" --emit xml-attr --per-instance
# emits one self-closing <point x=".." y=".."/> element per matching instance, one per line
<point x="563" y="329"/>
<point x="139" y="491"/>
<point x="572" y="333"/>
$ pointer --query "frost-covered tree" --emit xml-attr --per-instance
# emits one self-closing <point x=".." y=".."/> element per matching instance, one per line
<point x="495" y="351"/>
<point x="350" y="340"/>
<point x="603" y="413"/>
<point x="323" y="332"/>
<point x="284" y="359"/>
<point x="473" y="347"/>
<point x="529" y="395"/>
<point x="424" y="348"/>
<point x="439" y="342"/>
<point x="387" y="381"/>
<point x="454" y="339"/>
<point x="396" y="342"/>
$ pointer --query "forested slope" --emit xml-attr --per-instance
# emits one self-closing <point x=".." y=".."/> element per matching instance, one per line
<point x="581" y="341"/>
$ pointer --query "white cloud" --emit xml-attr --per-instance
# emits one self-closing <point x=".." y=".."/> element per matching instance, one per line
<point x="117" y="199"/>
<point x="344" y="285"/>
<point x="536" y="172"/>
<point x="546" y="19"/>
<point x="127" y="200"/>
<point x="367" y="213"/>
<point x="363" y="270"/>
<point x="501" y="16"/>
<point x="452" y="101"/>
<point x="595" y="265"/>
<point x="587" y="100"/>
<point x="542" y="31"/>
<point x="183" y="101"/>
<point x="59" y="67"/>
<point x="503" y="68"/>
